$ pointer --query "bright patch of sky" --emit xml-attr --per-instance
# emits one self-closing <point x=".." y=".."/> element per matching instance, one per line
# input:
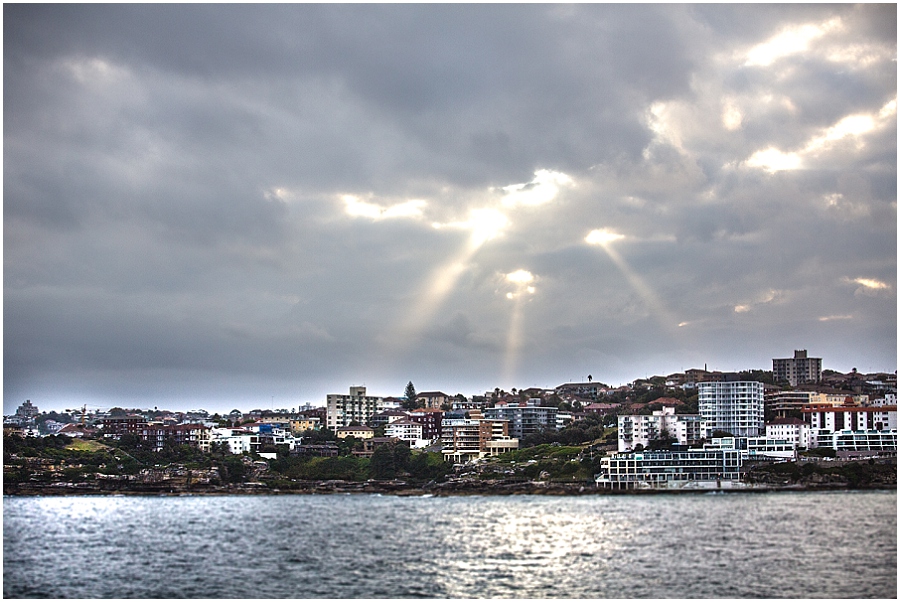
<point x="543" y="189"/>
<point x="602" y="236"/>
<point x="789" y="41"/>
<point x="356" y="207"/>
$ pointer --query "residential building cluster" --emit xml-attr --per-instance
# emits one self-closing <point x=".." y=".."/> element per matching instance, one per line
<point x="799" y="407"/>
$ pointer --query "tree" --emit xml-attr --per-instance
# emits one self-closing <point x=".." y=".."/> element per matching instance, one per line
<point x="389" y="459"/>
<point x="429" y="466"/>
<point x="410" y="395"/>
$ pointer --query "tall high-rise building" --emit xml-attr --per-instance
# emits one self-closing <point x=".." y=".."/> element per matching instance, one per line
<point x="734" y="407"/>
<point x="798" y="370"/>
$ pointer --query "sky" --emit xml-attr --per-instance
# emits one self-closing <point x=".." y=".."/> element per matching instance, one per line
<point x="252" y="206"/>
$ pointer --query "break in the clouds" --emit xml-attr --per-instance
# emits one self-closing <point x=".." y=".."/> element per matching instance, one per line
<point x="242" y="205"/>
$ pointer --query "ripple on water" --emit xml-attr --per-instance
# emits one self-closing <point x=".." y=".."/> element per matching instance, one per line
<point x="841" y="545"/>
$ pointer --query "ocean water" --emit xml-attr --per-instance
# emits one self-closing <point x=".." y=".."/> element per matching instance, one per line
<point x="774" y="545"/>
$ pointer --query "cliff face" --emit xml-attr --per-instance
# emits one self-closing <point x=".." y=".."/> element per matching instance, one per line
<point x="860" y="474"/>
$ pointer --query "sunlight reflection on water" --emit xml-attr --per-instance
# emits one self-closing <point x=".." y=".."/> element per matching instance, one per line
<point x="839" y="545"/>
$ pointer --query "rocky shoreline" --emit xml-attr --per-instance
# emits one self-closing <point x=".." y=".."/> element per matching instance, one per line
<point x="805" y="476"/>
<point x="450" y="488"/>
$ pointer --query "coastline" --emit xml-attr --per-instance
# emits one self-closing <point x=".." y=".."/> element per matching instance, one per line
<point x="429" y="490"/>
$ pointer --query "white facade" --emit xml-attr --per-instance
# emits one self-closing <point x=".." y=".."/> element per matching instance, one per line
<point x="861" y="440"/>
<point x="878" y="418"/>
<point x="733" y="407"/>
<point x="237" y="440"/>
<point x="798" y="433"/>
<point x="695" y="468"/>
<point x="341" y="410"/>
<point x="890" y="399"/>
<point x="756" y="448"/>
<point x="405" y="430"/>
<point x="640" y="429"/>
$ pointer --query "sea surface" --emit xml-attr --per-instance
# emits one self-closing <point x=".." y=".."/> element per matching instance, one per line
<point x="733" y="545"/>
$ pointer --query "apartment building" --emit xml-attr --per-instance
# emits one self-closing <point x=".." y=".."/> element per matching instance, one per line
<point x="784" y="403"/>
<point x="237" y="440"/>
<point x="358" y="407"/>
<point x="854" y="418"/>
<point x="798" y="370"/>
<point x="756" y="448"/>
<point x="670" y="469"/>
<point x="734" y="407"/>
<point x="860" y="440"/>
<point x="433" y="399"/>
<point x="465" y="439"/>
<point x="640" y="429"/>
<point x="430" y="419"/>
<point x="406" y="430"/>
<point x="386" y="417"/>
<point x="524" y="417"/>
<point x="852" y="428"/>
<point x="115" y="427"/>
<point x="790" y="429"/>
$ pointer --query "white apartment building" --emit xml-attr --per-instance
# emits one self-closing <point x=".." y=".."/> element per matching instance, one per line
<point x="756" y="448"/>
<point x="890" y="399"/>
<point x="695" y="468"/>
<point x="641" y="429"/>
<point x="790" y="429"/>
<point x="238" y="440"/>
<point x="734" y="407"/>
<point x="859" y="440"/>
<point x="358" y="407"/>
<point x="853" y="428"/>
<point x="854" y="418"/>
<point x="406" y="430"/>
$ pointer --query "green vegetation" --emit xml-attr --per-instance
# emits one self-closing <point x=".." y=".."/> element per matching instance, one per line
<point x="591" y="429"/>
<point x="61" y="459"/>
<point x="545" y="462"/>
<point x="409" y="397"/>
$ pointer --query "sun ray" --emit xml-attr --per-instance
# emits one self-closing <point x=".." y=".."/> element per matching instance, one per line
<point x="522" y="282"/>
<point x="604" y="238"/>
<point x="483" y="225"/>
<point x="513" y="342"/>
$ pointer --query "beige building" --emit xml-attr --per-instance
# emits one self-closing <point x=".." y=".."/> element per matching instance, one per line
<point x="466" y="439"/>
<point x="358" y="407"/>
<point x="305" y="424"/>
<point x="433" y="399"/>
<point x="360" y="432"/>
<point x="798" y="370"/>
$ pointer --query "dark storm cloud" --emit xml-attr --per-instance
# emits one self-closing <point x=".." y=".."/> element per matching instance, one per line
<point x="177" y="227"/>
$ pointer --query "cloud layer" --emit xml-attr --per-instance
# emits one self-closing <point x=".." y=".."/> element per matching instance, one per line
<point x="239" y="205"/>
